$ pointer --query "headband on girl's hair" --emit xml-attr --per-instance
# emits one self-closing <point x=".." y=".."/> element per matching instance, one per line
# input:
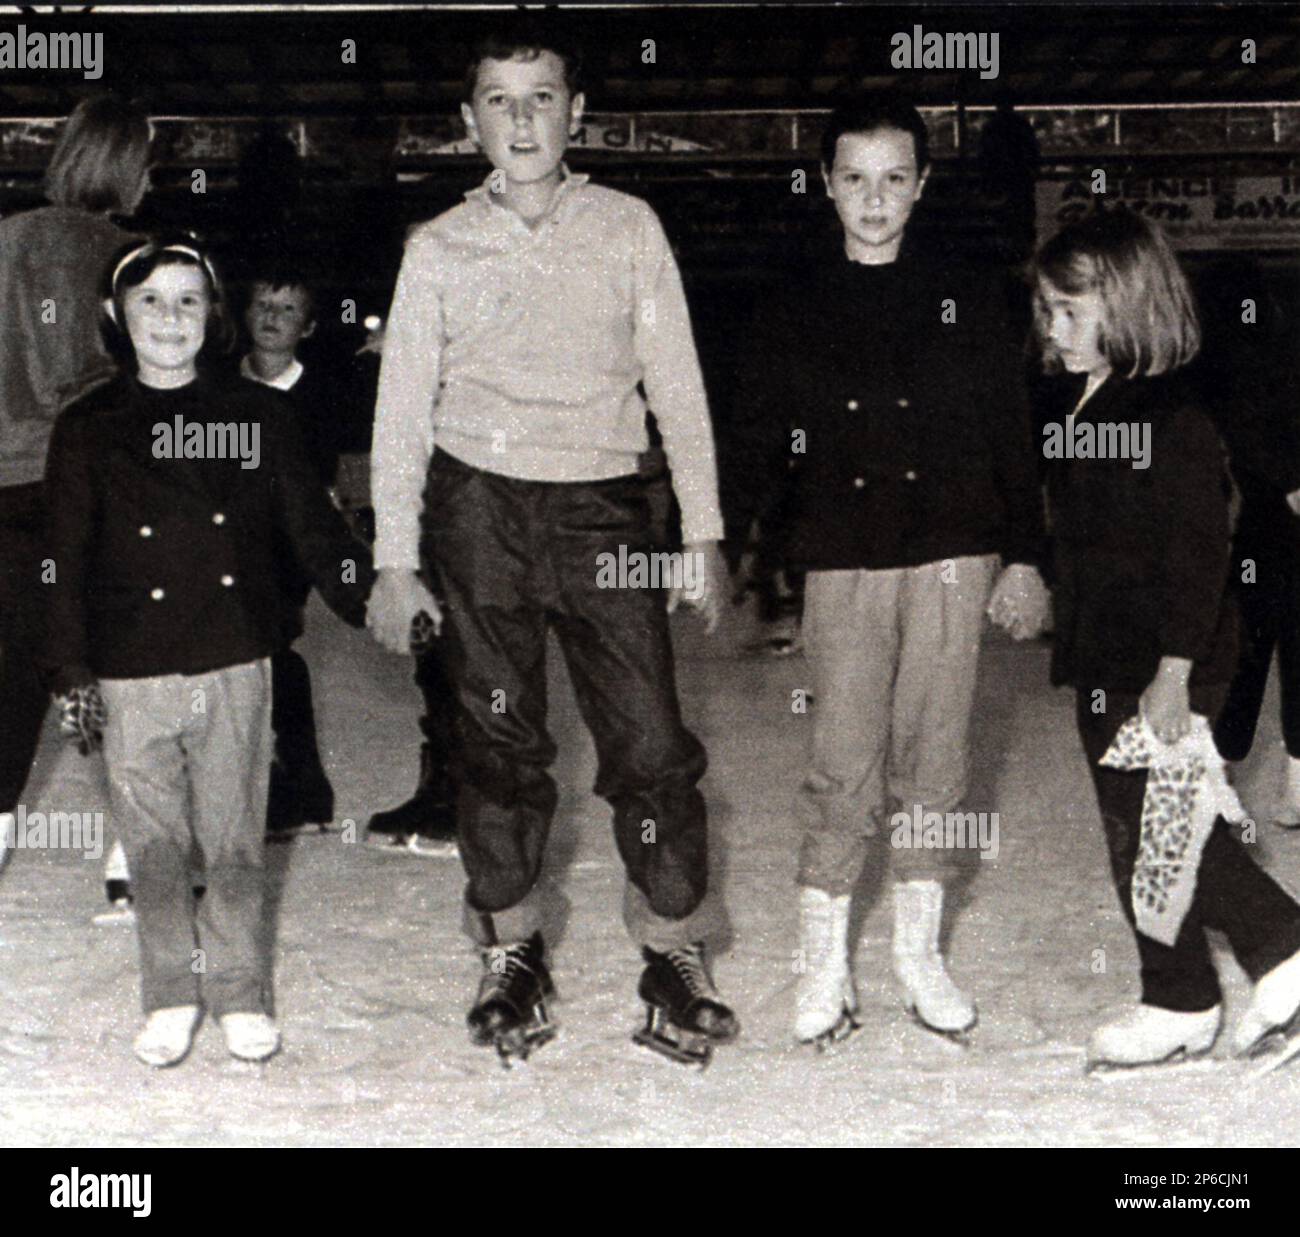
<point x="188" y="250"/>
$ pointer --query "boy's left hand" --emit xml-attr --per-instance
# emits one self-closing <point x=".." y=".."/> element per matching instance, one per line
<point x="1019" y="601"/>
<point x="709" y="572"/>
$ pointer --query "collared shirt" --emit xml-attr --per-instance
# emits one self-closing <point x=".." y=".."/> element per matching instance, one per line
<point x="519" y="351"/>
<point x="285" y="380"/>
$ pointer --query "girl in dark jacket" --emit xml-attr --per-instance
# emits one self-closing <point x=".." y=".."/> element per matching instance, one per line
<point x="168" y="489"/>
<point x="1146" y="633"/>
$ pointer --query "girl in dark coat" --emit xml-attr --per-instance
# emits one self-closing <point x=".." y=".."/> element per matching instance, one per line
<point x="1146" y="630"/>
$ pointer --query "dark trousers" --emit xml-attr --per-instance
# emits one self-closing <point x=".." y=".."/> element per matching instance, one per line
<point x="436" y="721"/>
<point x="512" y="559"/>
<point x="1270" y="612"/>
<point x="1233" y="894"/>
<point x="23" y="698"/>
<point x="293" y="717"/>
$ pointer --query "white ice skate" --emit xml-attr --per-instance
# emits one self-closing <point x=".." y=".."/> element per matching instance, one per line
<point x="929" y="992"/>
<point x="1273" y="1015"/>
<point x="167" y="1036"/>
<point x="251" y="1036"/>
<point x="1149" y="1035"/>
<point x="826" y="1006"/>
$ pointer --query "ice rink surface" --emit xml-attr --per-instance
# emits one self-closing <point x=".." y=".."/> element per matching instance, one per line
<point x="373" y="978"/>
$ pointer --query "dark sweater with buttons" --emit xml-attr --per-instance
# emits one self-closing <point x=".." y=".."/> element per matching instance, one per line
<point x="907" y="437"/>
<point x="169" y="565"/>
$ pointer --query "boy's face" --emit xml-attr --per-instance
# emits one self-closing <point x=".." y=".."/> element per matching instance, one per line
<point x="874" y="184"/>
<point x="522" y="115"/>
<point x="1073" y="325"/>
<point x="167" y="318"/>
<point x="278" y="319"/>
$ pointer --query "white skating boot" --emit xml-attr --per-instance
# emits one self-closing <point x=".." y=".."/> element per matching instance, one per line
<point x="167" y="1036"/>
<point x="251" y="1036"/>
<point x="1149" y="1035"/>
<point x="1288" y="815"/>
<point x="1274" y="1009"/>
<point x="928" y="990"/>
<point x="825" y="1004"/>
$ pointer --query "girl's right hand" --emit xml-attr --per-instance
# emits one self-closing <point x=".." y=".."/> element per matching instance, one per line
<point x="1165" y="704"/>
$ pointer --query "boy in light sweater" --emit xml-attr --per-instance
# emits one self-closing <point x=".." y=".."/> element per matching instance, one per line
<point x="507" y="432"/>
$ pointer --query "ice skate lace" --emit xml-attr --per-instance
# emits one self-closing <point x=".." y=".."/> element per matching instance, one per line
<point x="689" y="966"/>
<point x="512" y="969"/>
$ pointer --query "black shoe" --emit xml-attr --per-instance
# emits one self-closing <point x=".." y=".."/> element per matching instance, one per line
<point x="426" y="823"/>
<point x="510" y="1012"/>
<point x="685" y="1014"/>
<point x="298" y="800"/>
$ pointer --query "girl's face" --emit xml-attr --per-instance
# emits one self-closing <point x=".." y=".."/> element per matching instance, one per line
<point x="875" y="184"/>
<point x="166" y="318"/>
<point x="1074" y="323"/>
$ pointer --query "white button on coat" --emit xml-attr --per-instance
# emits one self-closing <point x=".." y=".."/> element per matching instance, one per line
<point x="219" y="517"/>
<point x="852" y="405"/>
<point x="157" y="594"/>
<point x="145" y="530"/>
<point x="227" y="580"/>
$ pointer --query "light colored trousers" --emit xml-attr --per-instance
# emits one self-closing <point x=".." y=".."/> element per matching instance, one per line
<point x="893" y="656"/>
<point x="189" y="759"/>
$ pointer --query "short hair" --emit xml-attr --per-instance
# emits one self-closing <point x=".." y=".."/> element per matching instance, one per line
<point x="100" y="156"/>
<point x="1149" y="324"/>
<point x="869" y="112"/>
<point x="133" y="264"/>
<point x="525" y="38"/>
<point x="277" y="273"/>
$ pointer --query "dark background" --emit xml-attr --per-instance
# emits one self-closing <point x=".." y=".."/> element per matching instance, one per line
<point x="338" y="160"/>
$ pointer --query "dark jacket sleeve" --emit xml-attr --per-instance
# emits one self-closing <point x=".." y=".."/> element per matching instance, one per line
<point x="72" y="516"/>
<point x="1015" y="451"/>
<point x="338" y="564"/>
<point x="756" y="442"/>
<point x="1188" y="468"/>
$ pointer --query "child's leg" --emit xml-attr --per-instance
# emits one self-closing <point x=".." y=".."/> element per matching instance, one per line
<point x="1178" y="977"/>
<point x="851" y="634"/>
<point x="228" y="748"/>
<point x="619" y="653"/>
<point x="1262" y="606"/>
<point x="149" y="799"/>
<point x="941" y="615"/>
<point x="483" y="536"/>
<point x="1289" y="664"/>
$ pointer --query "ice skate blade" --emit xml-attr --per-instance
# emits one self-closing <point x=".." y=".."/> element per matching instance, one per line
<point x="959" y="1037"/>
<point x="691" y="1050"/>
<point x="676" y="1043"/>
<point x="515" y="1047"/>
<point x="1275" y="1061"/>
<point x="388" y="844"/>
<point x="1180" y="1056"/>
<point x="1275" y="1039"/>
<point x="847" y="1026"/>
<point x="113" y="916"/>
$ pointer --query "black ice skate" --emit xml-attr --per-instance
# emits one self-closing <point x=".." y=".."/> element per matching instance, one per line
<point x="510" y="1013"/>
<point x="425" y="824"/>
<point x="685" y="1016"/>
